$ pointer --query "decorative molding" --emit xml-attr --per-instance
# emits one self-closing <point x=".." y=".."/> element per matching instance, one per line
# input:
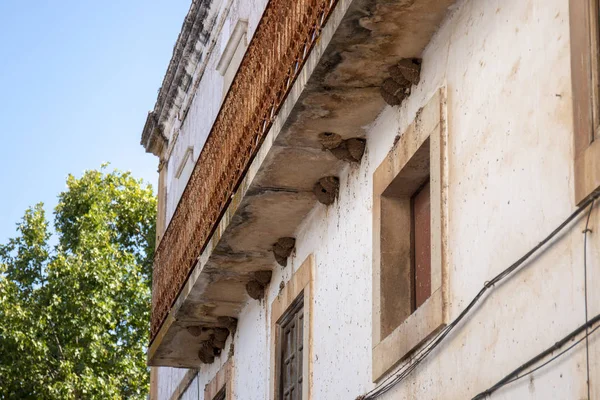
<point x="153" y="136"/>
<point x="197" y="29"/>
<point x="189" y="153"/>
<point x="241" y="28"/>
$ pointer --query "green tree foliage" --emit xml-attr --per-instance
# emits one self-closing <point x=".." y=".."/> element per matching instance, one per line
<point x="74" y="308"/>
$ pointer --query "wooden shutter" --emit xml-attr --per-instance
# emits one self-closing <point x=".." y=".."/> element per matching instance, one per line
<point x="421" y="226"/>
<point x="291" y="335"/>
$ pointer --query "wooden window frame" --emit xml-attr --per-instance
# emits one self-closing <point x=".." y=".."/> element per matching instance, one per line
<point x="417" y="276"/>
<point x="301" y="283"/>
<point x="223" y="381"/>
<point x="294" y="312"/>
<point x="585" y="63"/>
<point x="397" y="178"/>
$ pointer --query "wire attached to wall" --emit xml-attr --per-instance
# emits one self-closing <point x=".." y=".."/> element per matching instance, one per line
<point x="515" y="375"/>
<point x="585" y="291"/>
<point x="422" y="354"/>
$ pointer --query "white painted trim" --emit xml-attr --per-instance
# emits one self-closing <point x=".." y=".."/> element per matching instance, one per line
<point x="241" y="27"/>
<point x="188" y="153"/>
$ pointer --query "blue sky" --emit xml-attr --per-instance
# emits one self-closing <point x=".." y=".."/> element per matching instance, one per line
<point x="77" y="79"/>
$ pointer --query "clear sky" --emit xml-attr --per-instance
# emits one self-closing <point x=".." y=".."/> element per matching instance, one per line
<point x="77" y="78"/>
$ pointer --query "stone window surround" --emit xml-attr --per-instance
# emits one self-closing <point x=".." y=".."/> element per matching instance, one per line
<point x="301" y="282"/>
<point x="429" y="127"/>
<point x="585" y="62"/>
<point x="222" y="380"/>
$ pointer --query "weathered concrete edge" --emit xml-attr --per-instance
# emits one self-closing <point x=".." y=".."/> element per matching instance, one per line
<point x="185" y="53"/>
<point x="278" y="124"/>
<point x="197" y="75"/>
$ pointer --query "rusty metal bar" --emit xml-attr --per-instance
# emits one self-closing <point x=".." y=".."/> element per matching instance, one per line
<point x="273" y="60"/>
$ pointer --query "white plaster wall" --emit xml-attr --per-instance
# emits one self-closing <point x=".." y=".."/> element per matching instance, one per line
<point x="168" y="380"/>
<point x="193" y="132"/>
<point x="193" y="391"/>
<point x="507" y="70"/>
<point x="195" y="128"/>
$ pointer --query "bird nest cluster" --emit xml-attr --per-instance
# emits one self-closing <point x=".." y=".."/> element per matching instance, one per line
<point x="281" y="44"/>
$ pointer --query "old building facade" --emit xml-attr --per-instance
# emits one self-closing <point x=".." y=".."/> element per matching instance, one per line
<point x="390" y="199"/>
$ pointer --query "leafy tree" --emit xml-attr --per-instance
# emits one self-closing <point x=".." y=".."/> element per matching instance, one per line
<point x="74" y="305"/>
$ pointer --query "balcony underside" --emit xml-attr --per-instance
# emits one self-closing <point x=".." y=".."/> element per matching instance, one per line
<point x="338" y="91"/>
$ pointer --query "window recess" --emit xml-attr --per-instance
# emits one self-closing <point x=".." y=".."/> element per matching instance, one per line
<point x="421" y="245"/>
<point x="222" y="395"/>
<point x="408" y="246"/>
<point x="291" y="337"/>
<point x="585" y="70"/>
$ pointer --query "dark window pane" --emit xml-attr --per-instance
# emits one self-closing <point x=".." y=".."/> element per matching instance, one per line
<point x="291" y="335"/>
<point x="421" y="211"/>
<point x="221" y="395"/>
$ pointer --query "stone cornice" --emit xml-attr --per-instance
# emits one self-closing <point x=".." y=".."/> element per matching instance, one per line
<point x="187" y="52"/>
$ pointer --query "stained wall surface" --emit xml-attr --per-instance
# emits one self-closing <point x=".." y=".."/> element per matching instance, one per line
<point x="189" y="131"/>
<point x="506" y="68"/>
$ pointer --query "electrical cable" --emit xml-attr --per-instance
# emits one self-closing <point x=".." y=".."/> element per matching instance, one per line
<point x="401" y="374"/>
<point x="514" y="375"/>
<point x="556" y="356"/>
<point x="587" y="343"/>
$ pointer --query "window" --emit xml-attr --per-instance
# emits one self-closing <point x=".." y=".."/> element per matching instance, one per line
<point x="291" y="335"/>
<point x="405" y="245"/>
<point x="408" y="250"/>
<point x="585" y="67"/>
<point x="221" y="386"/>
<point x="222" y="395"/>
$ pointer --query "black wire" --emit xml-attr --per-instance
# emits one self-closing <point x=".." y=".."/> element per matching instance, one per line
<point x="513" y="376"/>
<point x="587" y="335"/>
<point x="390" y="382"/>
<point x="587" y="343"/>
